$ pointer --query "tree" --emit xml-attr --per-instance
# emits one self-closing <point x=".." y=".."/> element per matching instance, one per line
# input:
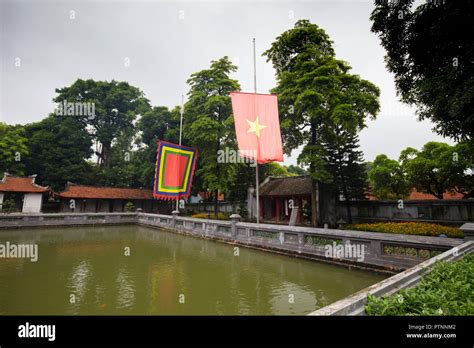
<point x="209" y="124"/>
<point x="13" y="148"/>
<point x="244" y="178"/>
<point x="388" y="179"/>
<point x="157" y="123"/>
<point x="345" y="164"/>
<point x="58" y="149"/>
<point x="436" y="169"/>
<point x="319" y="100"/>
<point x="430" y="50"/>
<point x="463" y="156"/>
<point x="275" y="169"/>
<point x="116" y="104"/>
<point x="122" y="171"/>
<point x="296" y="170"/>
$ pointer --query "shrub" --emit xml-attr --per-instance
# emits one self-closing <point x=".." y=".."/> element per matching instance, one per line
<point x="243" y="210"/>
<point x="9" y="206"/>
<point x="447" y="290"/>
<point x="220" y="216"/>
<point x="129" y="207"/>
<point x="414" y="228"/>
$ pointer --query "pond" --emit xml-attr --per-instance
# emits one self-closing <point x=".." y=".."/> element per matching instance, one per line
<point x="134" y="270"/>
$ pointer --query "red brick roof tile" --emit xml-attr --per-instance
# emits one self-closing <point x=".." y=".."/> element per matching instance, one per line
<point x="287" y="186"/>
<point x="11" y="183"/>
<point x="415" y="195"/>
<point x="93" y="192"/>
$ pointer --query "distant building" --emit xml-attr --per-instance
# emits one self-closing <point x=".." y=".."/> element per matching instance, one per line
<point x="420" y="196"/>
<point x="26" y="195"/>
<point x="92" y="199"/>
<point x="279" y="195"/>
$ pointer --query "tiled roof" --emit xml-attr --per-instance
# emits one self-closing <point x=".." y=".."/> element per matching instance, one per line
<point x="93" y="192"/>
<point x="415" y="195"/>
<point x="11" y="183"/>
<point x="209" y="194"/>
<point x="287" y="186"/>
<point x="301" y="185"/>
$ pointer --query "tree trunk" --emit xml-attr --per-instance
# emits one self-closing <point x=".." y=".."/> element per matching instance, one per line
<point x="347" y="198"/>
<point x="216" y="203"/>
<point x="314" y="184"/>
<point x="105" y="155"/>
<point x="314" y="205"/>
<point x="348" y="210"/>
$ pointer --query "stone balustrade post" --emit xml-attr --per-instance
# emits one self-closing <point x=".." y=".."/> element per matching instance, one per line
<point x="173" y="219"/>
<point x="234" y="218"/>
<point x="468" y="230"/>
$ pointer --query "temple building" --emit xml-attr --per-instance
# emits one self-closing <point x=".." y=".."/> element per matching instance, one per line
<point x="279" y="195"/>
<point x="21" y="194"/>
<point x="92" y="199"/>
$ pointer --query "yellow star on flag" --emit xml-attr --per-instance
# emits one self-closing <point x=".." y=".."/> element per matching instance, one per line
<point x="255" y="126"/>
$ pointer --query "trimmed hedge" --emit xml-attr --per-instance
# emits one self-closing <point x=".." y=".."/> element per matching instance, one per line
<point x="447" y="290"/>
<point x="413" y="228"/>
<point x="220" y="216"/>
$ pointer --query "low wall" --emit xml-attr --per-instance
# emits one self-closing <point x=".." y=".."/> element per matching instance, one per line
<point x="208" y="207"/>
<point x="65" y="219"/>
<point x="355" y="303"/>
<point x="454" y="212"/>
<point x="381" y="250"/>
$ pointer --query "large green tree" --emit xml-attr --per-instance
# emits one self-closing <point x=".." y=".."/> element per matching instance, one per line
<point x="58" y="149"/>
<point x="296" y="170"/>
<point x="437" y="168"/>
<point x="388" y="179"/>
<point x="429" y="50"/>
<point x="157" y="123"/>
<point x="13" y="148"/>
<point x="209" y="124"/>
<point x="117" y="105"/>
<point x="463" y="156"/>
<point x="321" y="103"/>
<point x="345" y="163"/>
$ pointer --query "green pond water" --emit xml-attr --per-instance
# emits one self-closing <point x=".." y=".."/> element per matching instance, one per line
<point x="85" y="270"/>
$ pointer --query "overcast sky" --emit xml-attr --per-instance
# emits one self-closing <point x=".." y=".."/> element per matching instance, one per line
<point x="57" y="42"/>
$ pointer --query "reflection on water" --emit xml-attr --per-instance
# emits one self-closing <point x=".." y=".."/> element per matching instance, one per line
<point x="77" y="284"/>
<point x="85" y="271"/>
<point x="126" y="289"/>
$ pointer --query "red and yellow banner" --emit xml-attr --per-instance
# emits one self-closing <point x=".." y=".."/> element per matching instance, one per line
<point x="174" y="171"/>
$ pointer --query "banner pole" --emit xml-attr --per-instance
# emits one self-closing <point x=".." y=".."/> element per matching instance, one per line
<point x="180" y="135"/>
<point x="256" y="163"/>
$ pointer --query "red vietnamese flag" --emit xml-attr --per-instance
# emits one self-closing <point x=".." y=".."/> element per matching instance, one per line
<point x="257" y="126"/>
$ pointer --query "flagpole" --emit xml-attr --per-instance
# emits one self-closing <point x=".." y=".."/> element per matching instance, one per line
<point x="180" y="134"/>
<point x="256" y="163"/>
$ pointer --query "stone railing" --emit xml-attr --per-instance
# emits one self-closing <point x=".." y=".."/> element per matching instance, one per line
<point x="384" y="251"/>
<point x="389" y="252"/>
<point x="355" y="303"/>
<point x="67" y="219"/>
